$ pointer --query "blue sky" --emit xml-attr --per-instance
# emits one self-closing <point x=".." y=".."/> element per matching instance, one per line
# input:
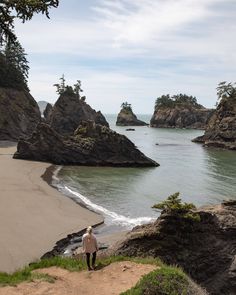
<point x="135" y="51"/>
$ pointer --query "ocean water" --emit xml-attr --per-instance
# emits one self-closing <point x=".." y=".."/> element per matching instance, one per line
<point x="125" y="195"/>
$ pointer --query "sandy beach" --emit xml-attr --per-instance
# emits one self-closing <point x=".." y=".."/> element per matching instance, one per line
<point x="33" y="215"/>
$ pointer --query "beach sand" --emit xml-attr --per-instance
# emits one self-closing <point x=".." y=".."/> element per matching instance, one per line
<point x="33" y="215"/>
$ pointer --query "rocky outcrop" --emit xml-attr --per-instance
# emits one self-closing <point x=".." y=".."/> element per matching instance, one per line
<point x="47" y="112"/>
<point x="205" y="249"/>
<point x="19" y="114"/>
<point x="221" y="128"/>
<point x="92" y="145"/>
<point x="126" y="117"/>
<point x="69" y="111"/>
<point x="181" y="116"/>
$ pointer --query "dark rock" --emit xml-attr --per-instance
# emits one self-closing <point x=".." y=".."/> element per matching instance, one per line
<point x="126" y="117"/>
<point x="130" y="129"/>
<point x="47" y="112"/>
<point x="92" y="145"/>
<point x="206" y="250"/>
<point x="221" y="128"/>
<point x="181" y="116"/>
<point x="69" y="111"/>
<point x="19" y="114"/>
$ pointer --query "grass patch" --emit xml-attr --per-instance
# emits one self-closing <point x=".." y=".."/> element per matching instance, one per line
<point x="165" y="278"/>
<point x="164" y="281"/>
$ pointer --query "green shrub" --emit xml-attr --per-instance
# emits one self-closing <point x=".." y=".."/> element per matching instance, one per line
<point x="173" y="205"/>
<point x="164" y="281"/>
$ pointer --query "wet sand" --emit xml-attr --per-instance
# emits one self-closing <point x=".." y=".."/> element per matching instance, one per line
<point x="33" y="215"/>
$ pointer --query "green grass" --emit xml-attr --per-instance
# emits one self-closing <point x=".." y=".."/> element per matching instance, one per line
<point x="169" y="280"/>
<point x="164" y="281"/>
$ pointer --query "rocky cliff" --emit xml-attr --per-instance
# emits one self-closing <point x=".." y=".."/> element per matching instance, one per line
<point x="92" y="145"/>
<point x="205" y="249"/>
<point x="19" y="114"/>
<point x="221" y="128"/>
<point x="69" y="111"/>
<point x="126" y="117"/>
<point x="180" y="116"/>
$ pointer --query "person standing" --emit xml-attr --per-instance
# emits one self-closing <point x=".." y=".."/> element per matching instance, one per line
<point x="90" y="246"/>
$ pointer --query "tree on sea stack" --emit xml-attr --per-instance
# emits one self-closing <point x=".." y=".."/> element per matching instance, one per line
<point x="173" y="205"/>
<point x="126" y="106"/>
<point x="226" y="90"/>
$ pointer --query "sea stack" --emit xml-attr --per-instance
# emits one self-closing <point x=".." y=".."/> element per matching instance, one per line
<point x="91" y="145"/>
<point x="221" y="128"/>
<point x="179" y="111"/>
<point x="126" y="117"/>
<point x="69" y="111"/>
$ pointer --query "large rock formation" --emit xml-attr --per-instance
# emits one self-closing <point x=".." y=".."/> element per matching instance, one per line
<point x="205" y="249"/>
<point x="126" y="117"/>
<point x="221" y="128"/>
<point x="69" y="111"/>
<point x="19" y="114"/>
<point x="180" y="116"/>
<point x="92" y="144"/>
<point x="42" y="106"/>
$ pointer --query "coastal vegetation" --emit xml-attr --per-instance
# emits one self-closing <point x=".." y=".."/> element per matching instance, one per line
<point x="126" y="106"/>
<point x="163" y="280"/>
<point x="167" y="101"/>
<point x="76" y="90"/>
<point x="226" y="90"/>
<point x="173" y="205"/>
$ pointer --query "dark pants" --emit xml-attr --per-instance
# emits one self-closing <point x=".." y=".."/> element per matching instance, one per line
<point x="93" y="259"/>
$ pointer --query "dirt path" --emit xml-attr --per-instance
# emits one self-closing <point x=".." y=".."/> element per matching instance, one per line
<point x="110" y="280"/>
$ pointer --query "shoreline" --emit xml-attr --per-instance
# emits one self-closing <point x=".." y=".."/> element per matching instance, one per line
<point x="34" y="216"/>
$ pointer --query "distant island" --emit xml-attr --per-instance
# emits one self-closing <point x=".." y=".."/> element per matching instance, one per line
<point x="126" y="117"/>
<point x="179" y="111"/>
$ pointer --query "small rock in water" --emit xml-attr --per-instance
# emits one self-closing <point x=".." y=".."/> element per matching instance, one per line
<point x="130" y="129"/>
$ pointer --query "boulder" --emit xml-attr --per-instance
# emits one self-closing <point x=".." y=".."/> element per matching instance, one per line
<point x="221" y="128"/>
<point x="69" y="111"/>
<point x="19" y="114"/>
<point x="92" y="144"/>
<point x="126" y="117"/>
<point x="181" y="116"/>
<point x="205" y="249"/>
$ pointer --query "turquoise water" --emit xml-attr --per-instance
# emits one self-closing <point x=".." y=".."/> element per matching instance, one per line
<point x="125" y="195"/>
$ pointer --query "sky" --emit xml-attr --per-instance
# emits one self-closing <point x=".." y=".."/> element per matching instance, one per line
<point x="132" y="50"/>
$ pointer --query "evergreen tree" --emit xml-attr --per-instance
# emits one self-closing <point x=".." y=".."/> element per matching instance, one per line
<point x="16" y="56"/>
<point x="23" y="10"/>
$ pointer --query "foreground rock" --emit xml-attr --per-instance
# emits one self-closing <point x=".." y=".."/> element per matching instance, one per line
<point x="206" y="250"/>
<point x="126" y="117"/>
<point x="221" y="128"/>
<point x="69" y="111"/>
<point x="92" y="144"/>
<point x="19" y="114"/>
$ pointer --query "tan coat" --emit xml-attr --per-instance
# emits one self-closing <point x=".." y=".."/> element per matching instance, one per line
<point x="90" y="244"/>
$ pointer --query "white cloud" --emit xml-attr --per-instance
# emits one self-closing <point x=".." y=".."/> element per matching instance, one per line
<point x="135" y="50"/>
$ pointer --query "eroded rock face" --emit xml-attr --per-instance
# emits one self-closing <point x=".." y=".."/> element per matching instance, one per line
<point x="221" y="128"/>
<point x="206" y="250"/>
<point x="126" y="117"/>
<point x="19" y="114"/>
<point x="186" y="116"/>
<point x="69" y="111"/>
<point x="92" y="145"/>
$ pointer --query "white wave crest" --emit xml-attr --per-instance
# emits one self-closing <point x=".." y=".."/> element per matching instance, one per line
<point x="113" y="217"/>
